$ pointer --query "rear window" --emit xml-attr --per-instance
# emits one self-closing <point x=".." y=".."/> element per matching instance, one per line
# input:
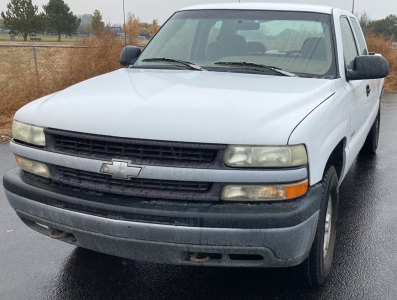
<point x="360" y="37"/>
<point x="349" y="45"/>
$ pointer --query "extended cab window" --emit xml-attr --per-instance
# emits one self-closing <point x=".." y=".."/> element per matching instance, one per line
<point x="349" y="44"/>
<point x="360" y="36"/>
<point x="296" y="42"/>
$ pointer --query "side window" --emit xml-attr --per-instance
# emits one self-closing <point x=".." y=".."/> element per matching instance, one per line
<point x="349" y="44"/>
<point x="360" y="36"/>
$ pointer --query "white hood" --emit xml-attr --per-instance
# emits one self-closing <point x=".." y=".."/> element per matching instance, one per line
<point x="186" y="106"/>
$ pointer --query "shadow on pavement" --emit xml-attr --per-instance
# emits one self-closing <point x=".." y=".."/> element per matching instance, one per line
<point x="91" y="275"/>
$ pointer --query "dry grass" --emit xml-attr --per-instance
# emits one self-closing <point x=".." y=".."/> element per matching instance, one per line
<point x="58" y="69"/>
<point x="380" y="44"/>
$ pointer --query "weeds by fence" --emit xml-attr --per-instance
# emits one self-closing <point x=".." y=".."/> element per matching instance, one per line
<point x="34" y="52"/>
<point x="381" y="44"/>
<point x="29" y="72"/>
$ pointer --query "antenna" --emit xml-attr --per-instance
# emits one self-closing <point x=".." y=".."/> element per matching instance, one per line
<point x="353" y="8"/>
<point x="125" y="28"/>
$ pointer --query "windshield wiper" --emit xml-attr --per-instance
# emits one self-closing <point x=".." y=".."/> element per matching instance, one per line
<point x="250" y="64"/>
<point x="185" y="63"/>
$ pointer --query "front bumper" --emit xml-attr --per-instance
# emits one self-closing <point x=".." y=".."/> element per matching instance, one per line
<point x="284" y="240"/>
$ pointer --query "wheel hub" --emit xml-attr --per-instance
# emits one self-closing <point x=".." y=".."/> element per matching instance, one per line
<point x="328" y="225"/>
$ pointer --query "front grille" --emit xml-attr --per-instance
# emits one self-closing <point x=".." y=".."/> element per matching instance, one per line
<point x="137" y="151"/>
<point x="106" y="183"/>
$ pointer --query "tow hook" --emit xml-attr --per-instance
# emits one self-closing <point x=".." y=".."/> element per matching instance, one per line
<point x="193" y="258"/>
<point x="56" y="234"/>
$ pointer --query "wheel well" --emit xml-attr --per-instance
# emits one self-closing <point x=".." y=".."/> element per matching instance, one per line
<point x="337" y="158"/>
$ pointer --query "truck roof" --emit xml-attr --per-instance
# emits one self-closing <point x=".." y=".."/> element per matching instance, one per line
<point x="265" y="6"/>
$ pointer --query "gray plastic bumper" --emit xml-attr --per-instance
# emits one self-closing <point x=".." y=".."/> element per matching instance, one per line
<point x="278" y="247"/>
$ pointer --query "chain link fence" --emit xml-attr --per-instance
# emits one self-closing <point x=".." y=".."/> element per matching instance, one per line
<point x="28" y="72"/>
<point x="45" y="59"/>
<point x="29" y="58"/>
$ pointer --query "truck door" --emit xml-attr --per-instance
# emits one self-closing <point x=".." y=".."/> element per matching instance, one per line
<point x="363" y="50"/>
<point x="357" y="90"/>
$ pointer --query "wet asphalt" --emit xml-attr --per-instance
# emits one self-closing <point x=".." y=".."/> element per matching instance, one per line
<point x="365" y="264"/>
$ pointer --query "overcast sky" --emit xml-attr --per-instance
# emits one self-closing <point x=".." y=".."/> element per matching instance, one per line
<point x="148" y="10"/>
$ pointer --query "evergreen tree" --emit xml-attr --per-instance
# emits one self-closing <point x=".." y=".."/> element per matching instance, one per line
<point x="97" y="25"/>
<point x="60" y="19"/>
<point x="22" y="18"/>
<point x="386" y="26"/>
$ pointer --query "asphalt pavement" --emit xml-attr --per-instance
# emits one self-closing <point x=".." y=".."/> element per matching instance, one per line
<point x="365" y="264"/>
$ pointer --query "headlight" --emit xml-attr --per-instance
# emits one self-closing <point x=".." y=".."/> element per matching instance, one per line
<point x="32" y="166"/>
<point x="28" y="133"/>
<point x="265" y="156"/>
<point x="250" y="193"/>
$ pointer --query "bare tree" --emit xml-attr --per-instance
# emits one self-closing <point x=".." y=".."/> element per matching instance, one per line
<point x="364" y="19"/>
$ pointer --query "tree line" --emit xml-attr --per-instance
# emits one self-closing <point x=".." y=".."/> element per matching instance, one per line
<point x="386" y="27"/>
<point x="132" y="28"/>
<point x="22" y="18"/>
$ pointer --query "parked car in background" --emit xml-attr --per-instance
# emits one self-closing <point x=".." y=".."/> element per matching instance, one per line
<point x="222" y="144"/>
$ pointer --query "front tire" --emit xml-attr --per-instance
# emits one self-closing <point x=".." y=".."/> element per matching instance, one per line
<point x="316" y="268"/>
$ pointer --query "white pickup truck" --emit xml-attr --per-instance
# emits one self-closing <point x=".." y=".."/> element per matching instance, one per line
<point x="222" y="144"/>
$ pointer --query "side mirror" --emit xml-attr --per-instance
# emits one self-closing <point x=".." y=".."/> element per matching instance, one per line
<point x="129" y="55"/>
<point x="368" y="67"/>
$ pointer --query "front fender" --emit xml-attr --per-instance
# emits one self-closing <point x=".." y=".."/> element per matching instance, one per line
<point x="321" y="131"/>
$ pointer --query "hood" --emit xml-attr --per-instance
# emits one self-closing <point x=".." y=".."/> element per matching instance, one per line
<point x="185" y="106"/>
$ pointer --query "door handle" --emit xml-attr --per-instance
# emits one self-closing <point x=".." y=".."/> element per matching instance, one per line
<point x="368" y="90"/>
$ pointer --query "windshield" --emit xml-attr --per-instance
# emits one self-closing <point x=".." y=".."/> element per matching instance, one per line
<point x="296" y="42"/>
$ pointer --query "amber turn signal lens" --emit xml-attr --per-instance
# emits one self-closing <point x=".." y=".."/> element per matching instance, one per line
<point x="294" y="191"/>
<point x="264" y="192"/>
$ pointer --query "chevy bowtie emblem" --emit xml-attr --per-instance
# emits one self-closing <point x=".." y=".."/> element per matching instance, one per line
<point x="121" y="169"/>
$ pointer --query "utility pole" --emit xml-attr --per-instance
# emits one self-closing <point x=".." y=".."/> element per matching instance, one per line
<point x="353" y="8"/>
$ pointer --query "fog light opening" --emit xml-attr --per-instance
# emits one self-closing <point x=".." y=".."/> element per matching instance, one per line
<point x="202" y="257"/>
<point x="58" y="234"/>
